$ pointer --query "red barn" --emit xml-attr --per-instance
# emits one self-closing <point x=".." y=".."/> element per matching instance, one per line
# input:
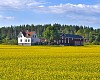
<point x="70" y="39"/>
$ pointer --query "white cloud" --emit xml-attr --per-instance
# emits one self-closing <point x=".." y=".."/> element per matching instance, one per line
<point x="72" y="8"/>
<point x="6" y="18"/>
<point x="18" y="3"/>
<point x="79" y="13"/>
<point x="61" y="8"/>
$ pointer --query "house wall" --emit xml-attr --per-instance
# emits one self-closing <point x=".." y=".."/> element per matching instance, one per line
<point x="23" y="40"/>
<point x="64" y="41"/>
<point x="35" y="38"/>
<point x="78" y="42"/>
<point x="71" y="41"/>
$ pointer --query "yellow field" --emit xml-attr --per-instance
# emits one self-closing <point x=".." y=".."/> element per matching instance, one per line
<point x="49" y="63"/>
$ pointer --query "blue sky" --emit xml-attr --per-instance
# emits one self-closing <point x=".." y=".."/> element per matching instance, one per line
<point x="71" y="12"/>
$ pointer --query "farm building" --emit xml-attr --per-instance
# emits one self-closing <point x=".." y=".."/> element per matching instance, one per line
<point x="70" y="39"/>
<point x="31" y="38"/>
<point x="28" y="38"/>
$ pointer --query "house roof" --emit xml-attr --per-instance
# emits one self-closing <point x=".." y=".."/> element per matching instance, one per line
<point x="72" y="36"/>
<point x="28" y="34"/>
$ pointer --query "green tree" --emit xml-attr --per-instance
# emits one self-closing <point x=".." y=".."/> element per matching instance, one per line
<point x="98" y="38"/>
<point x="80" y="32"/>
<point x="13" y="42"/>
<point x="6" y="40"/>
<point x="51" y="33"/>
<point x="92" y="38"/>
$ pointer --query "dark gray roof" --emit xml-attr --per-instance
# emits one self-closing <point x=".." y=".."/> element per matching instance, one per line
<point x="73" y="36"/>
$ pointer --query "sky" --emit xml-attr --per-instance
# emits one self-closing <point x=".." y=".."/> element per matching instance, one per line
<point x="71" y="12"/>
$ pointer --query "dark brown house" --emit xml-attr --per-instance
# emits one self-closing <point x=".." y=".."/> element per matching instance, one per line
<point x="71" y="40"/>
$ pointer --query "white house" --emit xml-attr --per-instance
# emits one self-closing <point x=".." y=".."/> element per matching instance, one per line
<point x="28" y="38"/>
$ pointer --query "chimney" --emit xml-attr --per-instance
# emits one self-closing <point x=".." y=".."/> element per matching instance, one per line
<point x="26" y="32"/>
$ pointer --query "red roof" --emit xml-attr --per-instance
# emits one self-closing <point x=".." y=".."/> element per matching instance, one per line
<point x="28" y="34"/>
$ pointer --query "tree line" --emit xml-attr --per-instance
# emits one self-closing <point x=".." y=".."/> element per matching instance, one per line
<point x="8" y="35"/>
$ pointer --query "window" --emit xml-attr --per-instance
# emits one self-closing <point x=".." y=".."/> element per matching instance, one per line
<point x="28" y="40"/>
<point x="65" y="40"/>
<point x="62" y="37"/>
<point x="68" y="40"/>
<point x="76" y="43"/>
<point x="59" y="41"/>
<point x="25" y="40"/>
<point x="35" y="36"/>
<point x="20" y="40"/>
<point x="81" y="43"/>
<point x="62" y="41"/>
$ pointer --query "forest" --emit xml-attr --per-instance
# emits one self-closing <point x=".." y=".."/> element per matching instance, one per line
<point x="8" y="35"/>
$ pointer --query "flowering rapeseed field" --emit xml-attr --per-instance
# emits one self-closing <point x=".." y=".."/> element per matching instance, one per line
<point x="49" y="63"/>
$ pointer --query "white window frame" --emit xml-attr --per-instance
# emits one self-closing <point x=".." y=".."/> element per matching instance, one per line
<point x="68" y="40"/>
<point x="65" y="40"/>
<point x="62" y="37"/>
<point x="62" y="41"/>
